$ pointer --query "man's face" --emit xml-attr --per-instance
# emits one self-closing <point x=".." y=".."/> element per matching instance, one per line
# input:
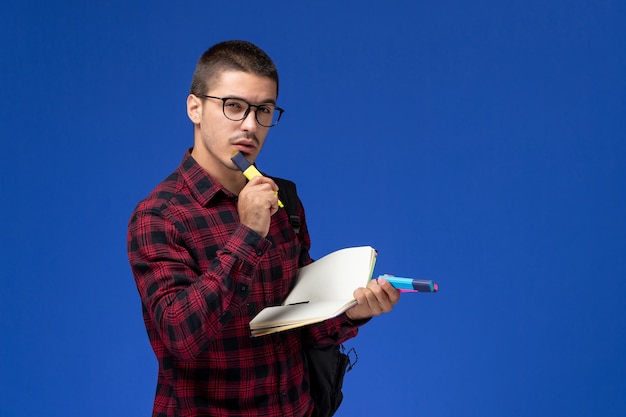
<point x="217" y="138"/>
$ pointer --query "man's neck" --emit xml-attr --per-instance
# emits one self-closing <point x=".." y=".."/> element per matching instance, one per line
<point x="231" y="179"/>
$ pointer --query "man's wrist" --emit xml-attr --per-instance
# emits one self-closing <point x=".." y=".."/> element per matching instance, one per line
<point x="356" y="322"/>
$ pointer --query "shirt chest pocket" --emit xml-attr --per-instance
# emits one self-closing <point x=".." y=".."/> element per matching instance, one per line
<point x="279" y="268"/>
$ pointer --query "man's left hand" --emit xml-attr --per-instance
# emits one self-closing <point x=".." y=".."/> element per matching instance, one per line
<point x="377" y="298"/>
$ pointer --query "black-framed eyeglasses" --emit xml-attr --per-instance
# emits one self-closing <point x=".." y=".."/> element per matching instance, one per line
<point x="236" y="109"/>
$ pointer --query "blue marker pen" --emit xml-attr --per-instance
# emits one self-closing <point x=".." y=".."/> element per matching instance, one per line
<point x="410" y="284"/>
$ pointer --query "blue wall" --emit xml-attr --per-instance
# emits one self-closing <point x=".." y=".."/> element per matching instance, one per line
<point x="479" y="144"/>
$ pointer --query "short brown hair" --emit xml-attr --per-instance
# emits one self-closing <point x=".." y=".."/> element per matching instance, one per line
<point x="234" y="55"/>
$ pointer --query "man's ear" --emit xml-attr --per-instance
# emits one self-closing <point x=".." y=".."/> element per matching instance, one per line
<point x="194" y="109"/>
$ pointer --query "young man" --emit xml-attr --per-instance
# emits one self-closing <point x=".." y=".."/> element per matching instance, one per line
<point x="209" y="250"/>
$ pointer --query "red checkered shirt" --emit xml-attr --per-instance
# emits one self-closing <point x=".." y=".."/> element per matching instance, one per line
<point x="202" y="276"/>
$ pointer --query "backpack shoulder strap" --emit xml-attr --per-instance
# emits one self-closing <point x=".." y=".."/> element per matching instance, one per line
<point x="289" y="196"/>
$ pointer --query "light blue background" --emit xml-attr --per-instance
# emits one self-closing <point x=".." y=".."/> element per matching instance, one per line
<point x="477" y="143"/>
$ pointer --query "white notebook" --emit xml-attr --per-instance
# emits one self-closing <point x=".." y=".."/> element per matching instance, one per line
<point x="324" y="289"/>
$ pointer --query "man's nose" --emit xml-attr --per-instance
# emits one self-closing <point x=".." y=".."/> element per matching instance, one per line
<point x="249" y="122"/>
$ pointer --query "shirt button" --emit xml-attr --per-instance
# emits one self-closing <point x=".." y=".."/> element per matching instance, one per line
<point x="243" y="288"/>
<point x="259" y="252"/>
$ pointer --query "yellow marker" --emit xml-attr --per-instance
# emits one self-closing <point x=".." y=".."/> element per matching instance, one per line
<point x="249" y="170"/>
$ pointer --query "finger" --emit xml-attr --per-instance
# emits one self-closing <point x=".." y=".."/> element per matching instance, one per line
<point x="273" y="205"/>
<point x="363" y="301"/>
<point x="392" y="293"/>
<point x="374" y="301"/>
<point x="379" y="299"/>
<point x="264" y="180"/>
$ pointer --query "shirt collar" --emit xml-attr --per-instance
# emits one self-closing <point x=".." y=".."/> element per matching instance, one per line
<point x="202" y="185"/>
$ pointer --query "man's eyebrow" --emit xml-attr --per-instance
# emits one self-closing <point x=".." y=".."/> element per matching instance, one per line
<point x="266" y="101"/>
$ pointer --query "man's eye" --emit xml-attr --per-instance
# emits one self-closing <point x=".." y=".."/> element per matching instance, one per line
<point x="235" y="105"/>
<point x="266" y="109"/>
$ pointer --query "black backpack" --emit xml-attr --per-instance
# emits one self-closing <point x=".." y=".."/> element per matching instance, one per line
<point x="327" y="364"/>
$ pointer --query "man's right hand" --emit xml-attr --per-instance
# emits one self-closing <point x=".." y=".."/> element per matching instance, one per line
<point x="257" y="203"/>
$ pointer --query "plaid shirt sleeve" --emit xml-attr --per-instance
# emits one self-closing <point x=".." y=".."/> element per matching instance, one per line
<point x="188" y="306"/>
